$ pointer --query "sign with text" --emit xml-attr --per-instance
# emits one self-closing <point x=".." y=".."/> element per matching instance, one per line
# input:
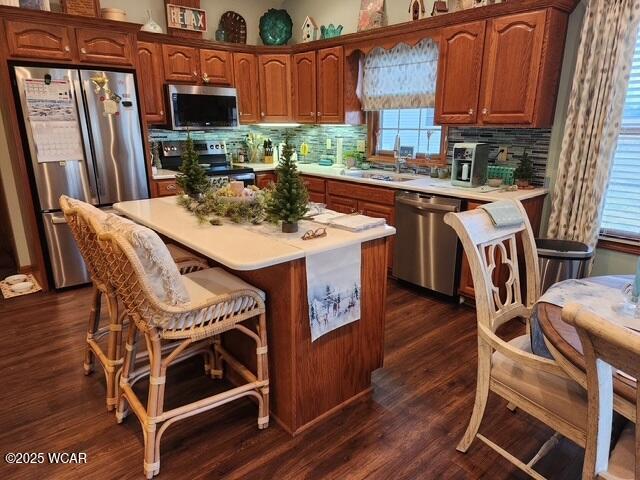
<point x="186" y="18"/>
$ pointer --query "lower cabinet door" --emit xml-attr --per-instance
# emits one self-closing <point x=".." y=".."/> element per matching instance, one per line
<point x="263" y="180"/>
<point x="342" y="204"/>
<point x="387" y="212"/>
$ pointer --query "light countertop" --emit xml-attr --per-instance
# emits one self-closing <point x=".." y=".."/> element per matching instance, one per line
<point x="239" y="247"/>
<point x="420" y="183"/>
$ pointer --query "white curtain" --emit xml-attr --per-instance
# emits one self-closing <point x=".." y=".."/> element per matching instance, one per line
<point x="593" y="120"/>
<point x="403" y="77"/>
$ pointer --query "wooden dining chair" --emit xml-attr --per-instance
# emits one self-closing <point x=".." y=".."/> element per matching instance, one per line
<point x="76" y="214"/>
<point x="534" y="384"/>
<point x="188" y="311"/>
<point x="607" y="346"/>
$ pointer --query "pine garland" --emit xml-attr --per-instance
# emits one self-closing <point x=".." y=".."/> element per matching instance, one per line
<point x="193" y="178"/>
<point x="289" y="198"/>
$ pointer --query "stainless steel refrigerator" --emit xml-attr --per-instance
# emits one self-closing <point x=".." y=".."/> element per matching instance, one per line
<point x="84" y="137"/>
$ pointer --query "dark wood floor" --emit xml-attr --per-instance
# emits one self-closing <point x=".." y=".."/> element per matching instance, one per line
<point x="407" y="429"/>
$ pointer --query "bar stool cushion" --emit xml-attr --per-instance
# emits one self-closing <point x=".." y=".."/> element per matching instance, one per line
<point x="562" y="396"/>
<point x="212" y="282"/>
<point x="160" y="269"/>
<point x="623" y="457"/>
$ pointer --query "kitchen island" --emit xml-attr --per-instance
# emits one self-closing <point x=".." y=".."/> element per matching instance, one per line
<point x="308" y="380"/>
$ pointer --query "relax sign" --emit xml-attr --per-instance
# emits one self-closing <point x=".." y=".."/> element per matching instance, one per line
<point x="186" y="18"/>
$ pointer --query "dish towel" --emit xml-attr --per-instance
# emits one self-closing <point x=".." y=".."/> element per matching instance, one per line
<point x="333" y="289"/>
<point x="504" y="214"/>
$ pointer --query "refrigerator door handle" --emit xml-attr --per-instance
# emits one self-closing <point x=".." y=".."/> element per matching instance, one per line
<point x="94" y="181"/>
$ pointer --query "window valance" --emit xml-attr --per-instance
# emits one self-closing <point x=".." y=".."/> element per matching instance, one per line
<point x="402" y="77"/>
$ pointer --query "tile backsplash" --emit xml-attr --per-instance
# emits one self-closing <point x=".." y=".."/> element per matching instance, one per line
<point x="534" y="140"/>
<point x="314" y="135"/>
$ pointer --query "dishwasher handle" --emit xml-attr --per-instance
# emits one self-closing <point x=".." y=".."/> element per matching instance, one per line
<point x="428" y="207"/>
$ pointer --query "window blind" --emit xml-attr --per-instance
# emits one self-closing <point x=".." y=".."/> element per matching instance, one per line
<point x="621" y="214"/>
<point x="403" y="77"/>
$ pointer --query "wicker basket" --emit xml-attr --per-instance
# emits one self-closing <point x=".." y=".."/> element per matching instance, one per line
<point x="86" y="8"/>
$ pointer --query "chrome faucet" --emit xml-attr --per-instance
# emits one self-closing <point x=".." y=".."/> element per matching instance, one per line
<point x="399" y="161"/>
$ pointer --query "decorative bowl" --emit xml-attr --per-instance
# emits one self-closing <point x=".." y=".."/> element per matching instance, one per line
<point x="22" y="287"/>
<point x="494" y="182"/>
<point x="14" y="279"/>
<point x="276" y="27"/>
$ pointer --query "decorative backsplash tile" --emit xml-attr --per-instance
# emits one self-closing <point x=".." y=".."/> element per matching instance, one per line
<point x="314" y="135"/>
<point x="534" y="140"/>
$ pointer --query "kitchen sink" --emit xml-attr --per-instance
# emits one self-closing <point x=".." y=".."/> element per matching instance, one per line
<point x="380" y="176"/>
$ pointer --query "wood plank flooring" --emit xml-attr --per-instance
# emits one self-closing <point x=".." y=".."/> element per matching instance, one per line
<point x="407" y="429"/>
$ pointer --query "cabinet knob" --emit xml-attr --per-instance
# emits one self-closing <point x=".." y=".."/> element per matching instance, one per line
<point x="195" y="74"/>
<point x="66" y="48"/>
<point x="471" y="111"/>
<point x="319" y="114"/>
<point x="205" y="78"/>
<point x="161" y="112"/>
<point x="262" y="113"/>
<point x="83" y="50"/>
<point x="311" y="113"/>
<point x="485" y="111"/>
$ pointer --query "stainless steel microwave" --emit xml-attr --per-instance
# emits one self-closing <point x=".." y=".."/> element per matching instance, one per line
<point x="196" y="107"/>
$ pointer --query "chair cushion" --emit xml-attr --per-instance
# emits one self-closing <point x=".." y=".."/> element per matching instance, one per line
<point x="160" y="270"/>
<point x="622" y="459"/>
<point x="209" y="283"/>
<point x="562" y="396"/>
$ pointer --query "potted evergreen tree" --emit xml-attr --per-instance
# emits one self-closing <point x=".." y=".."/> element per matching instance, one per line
<point x="192" y="178"/>
<point x="524" y="171"/>
<point x="288" y="201"/>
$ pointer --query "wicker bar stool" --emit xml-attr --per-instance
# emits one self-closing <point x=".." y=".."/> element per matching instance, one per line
<point x="110" y="359"/>
<point x="188" y="310"/>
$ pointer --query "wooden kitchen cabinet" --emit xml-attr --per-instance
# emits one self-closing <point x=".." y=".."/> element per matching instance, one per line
<point x="216" y="67"/>
<point x="181" y="64"/>
<point x="342" y="204"/>
<point x="166" y="188"/>
<point x="104" y="47"/>
<point x="263" y="180"/>
<point x="150" y="75"/>
<point x="388" y="212"/>
<point x="39" y="40"/>
<point x="513" y="60"/>
<point x="459" y="73"/>
<point x="247" y="86"/>
<point x="316" y="188"/>
<point x="275" y="87"/>
<point x="330" y="85"/>
<point x="304" y="89"/>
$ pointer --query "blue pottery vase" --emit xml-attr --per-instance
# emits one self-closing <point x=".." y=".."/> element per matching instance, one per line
<point x="330" y="31"/>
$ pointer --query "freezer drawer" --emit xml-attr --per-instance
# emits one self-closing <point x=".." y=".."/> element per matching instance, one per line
<point x="426" y="248"/>
<point x="67" y="266"/>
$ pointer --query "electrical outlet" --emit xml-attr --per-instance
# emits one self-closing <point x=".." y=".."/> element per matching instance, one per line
<point x="503" y="153"/>
<point x="361" y="147"/>
<point x="328" y="144"/>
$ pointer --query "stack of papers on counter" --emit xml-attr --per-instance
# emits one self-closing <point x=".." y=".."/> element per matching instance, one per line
<point x="352" y="223"/>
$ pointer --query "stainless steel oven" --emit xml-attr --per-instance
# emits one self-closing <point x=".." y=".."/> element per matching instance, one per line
<point x="196" y="107"/>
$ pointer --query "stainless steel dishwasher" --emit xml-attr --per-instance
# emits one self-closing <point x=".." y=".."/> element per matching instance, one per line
<point x="426" y="248"/>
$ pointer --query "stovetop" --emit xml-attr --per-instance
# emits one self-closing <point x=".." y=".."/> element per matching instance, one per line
<point x="226" y="169"/>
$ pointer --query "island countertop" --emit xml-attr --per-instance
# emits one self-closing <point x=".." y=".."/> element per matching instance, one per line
<point x="239" y="247"/>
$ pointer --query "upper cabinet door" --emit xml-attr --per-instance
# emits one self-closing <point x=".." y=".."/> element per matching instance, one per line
<point x="181" y="64"/>
<point x="511" y="69"/>
<point x="331" y="85"/>
<point x="38" y="40"/>
<point x="304" y="87"/>
<point x="216" y="67"/>
<point x="247" y="86"/>
<point x="150" y="80"/>
<point x="275" y="88"/>
<point x="459" y="73"/>
<point x="104" y="46"/>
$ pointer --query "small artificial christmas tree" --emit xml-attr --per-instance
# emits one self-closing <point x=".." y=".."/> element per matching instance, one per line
<point x="288" y="201"/>
<point x="192" y="178"/>
<point x="524" y="172"/>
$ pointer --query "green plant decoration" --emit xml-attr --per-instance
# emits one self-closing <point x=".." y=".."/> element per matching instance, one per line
<point x="289" y="198"/>
<point x="524" y="171"/>
<point x="192" y="178"/>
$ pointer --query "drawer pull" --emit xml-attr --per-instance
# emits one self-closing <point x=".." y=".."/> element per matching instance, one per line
<point x="471" y="111"/>
<point x="66" y="48"/>
<point x="83" y="50"/>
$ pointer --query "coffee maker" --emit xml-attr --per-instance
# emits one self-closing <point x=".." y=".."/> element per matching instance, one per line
<point x="470" y="163"/>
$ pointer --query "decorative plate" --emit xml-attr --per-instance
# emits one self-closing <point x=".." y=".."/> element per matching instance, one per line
<point x="234" y="26"/>
<point x="276" y="27"/>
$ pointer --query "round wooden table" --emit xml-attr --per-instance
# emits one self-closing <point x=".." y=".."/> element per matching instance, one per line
<point x="565" y="344"/>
